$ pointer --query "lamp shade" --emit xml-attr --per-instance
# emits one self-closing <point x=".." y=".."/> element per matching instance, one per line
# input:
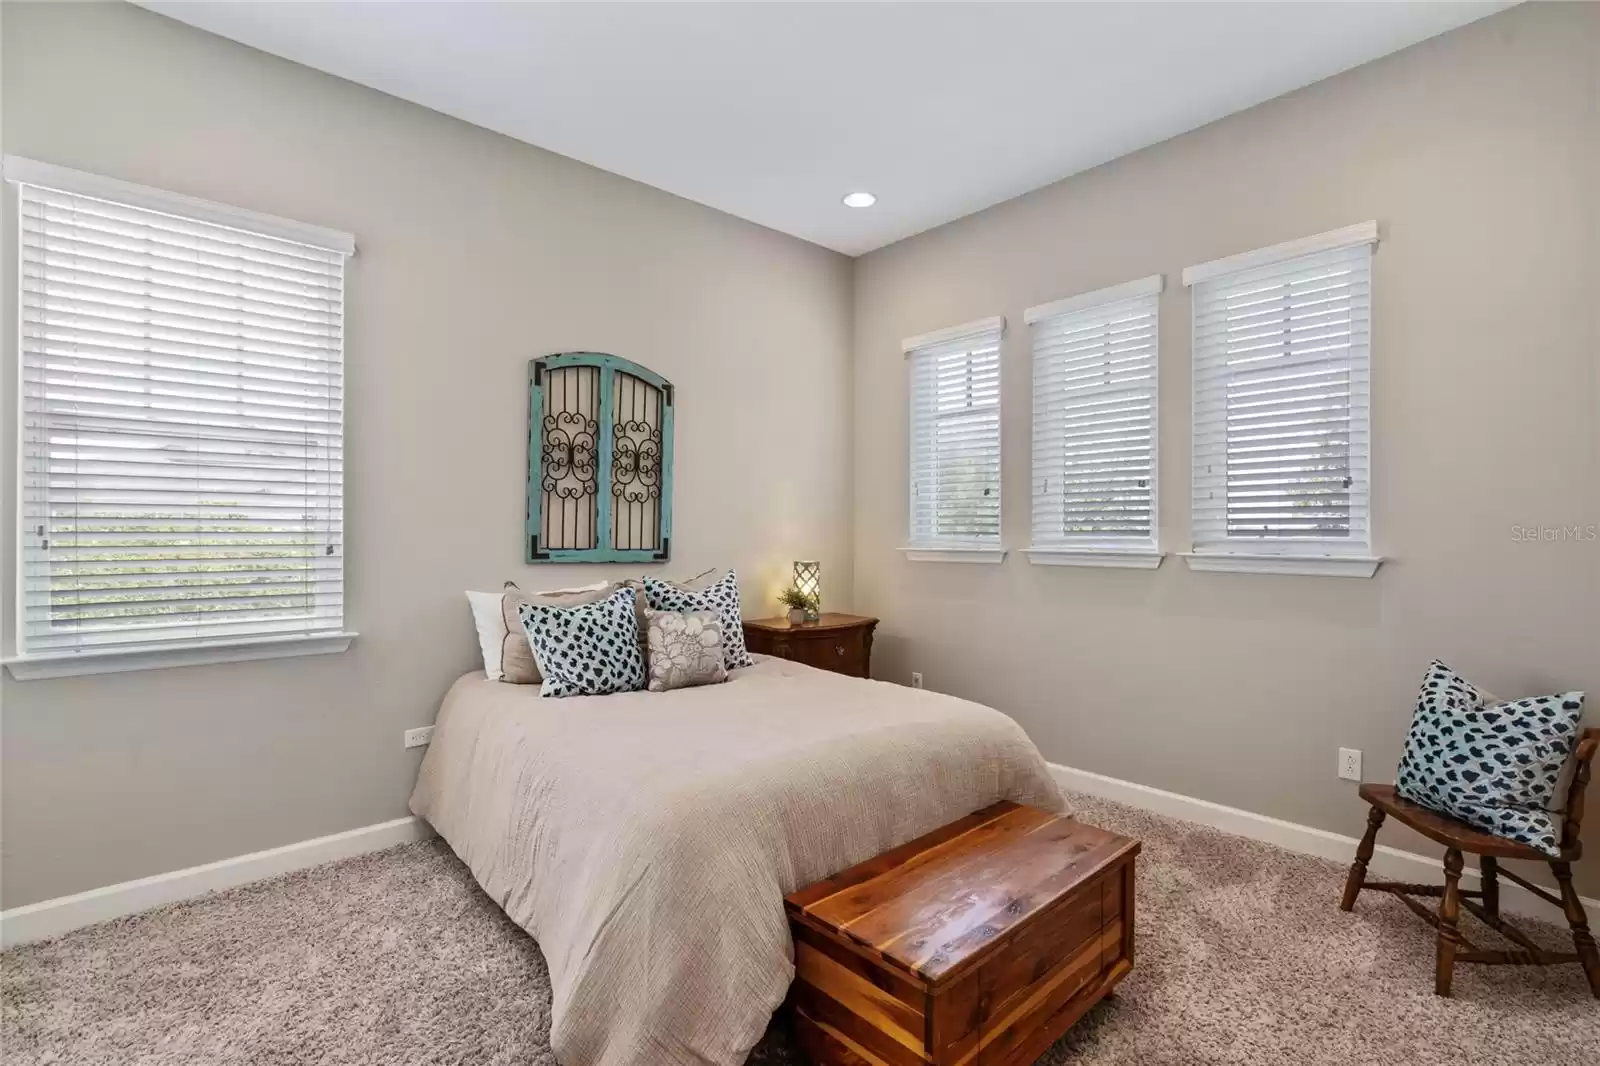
<point x="808" y="579"/>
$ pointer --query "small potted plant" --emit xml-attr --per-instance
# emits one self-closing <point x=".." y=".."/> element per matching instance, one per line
<point x="801" y="606"/>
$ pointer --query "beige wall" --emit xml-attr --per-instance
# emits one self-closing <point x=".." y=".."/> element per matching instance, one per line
<point x="476" y="254"/>
<point x="1479" y="155"/>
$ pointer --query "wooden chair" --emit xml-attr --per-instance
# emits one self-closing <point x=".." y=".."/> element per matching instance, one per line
<point x="1484" y="903"/>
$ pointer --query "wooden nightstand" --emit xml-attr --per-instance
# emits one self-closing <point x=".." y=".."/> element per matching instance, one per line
<point x="838" y="642"/>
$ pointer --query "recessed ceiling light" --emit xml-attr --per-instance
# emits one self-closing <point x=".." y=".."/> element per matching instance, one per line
<point x="860" y="199"/>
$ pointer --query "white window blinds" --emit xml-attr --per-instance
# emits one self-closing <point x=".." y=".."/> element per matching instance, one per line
<point x="1094" y="419"/>
<point x="955" y="438"/>
<point x="1281" y="417"/>
<point x="182" y="448"/>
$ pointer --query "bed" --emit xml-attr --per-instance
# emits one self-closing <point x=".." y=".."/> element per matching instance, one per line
<point x="646" y="840"/>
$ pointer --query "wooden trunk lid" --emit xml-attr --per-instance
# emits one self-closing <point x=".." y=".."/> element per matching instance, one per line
<point x="939" y="906"/>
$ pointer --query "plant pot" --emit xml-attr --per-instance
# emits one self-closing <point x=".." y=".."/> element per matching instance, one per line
<point x="796" y="616"/>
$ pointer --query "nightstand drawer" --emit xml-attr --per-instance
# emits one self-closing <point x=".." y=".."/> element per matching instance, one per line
<point x="838" y="642"/>
<point x="844" y="653"/>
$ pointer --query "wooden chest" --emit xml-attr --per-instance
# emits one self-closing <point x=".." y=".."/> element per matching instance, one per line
<point x="980" y="943"/>
<point x="838" y="642"/>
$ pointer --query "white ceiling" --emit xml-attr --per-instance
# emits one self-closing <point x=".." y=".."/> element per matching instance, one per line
<point x="773" y="111"/>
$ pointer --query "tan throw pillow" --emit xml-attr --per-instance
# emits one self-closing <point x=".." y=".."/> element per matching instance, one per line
<point x="685" y="650"/>
<point x="637" y="585"/>
<point x="517" y="664"/>
<point x="641" y="601"/>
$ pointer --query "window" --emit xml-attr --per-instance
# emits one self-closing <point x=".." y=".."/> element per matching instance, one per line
<point x="1094" y="427"/>
<point x="600" y="471"/>
<point x="1282" y="440"/>
<point x="181" y="411"/>
<point x="955" y="443"/>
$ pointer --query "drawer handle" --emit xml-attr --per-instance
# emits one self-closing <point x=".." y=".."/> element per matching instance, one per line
<point x="838" y="649"/>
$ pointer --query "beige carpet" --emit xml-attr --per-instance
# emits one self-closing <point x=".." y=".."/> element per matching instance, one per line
<point x="397" y="958"/>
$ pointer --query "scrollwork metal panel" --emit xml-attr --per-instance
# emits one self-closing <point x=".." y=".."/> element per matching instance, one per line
<point x="569" y="433"/>
<point x="635" y="463"/>
<point x="599" y="460"/>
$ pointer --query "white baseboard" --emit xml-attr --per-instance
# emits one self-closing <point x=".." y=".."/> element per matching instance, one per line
<point x="52" y="917"/>
<point x="1388" y="864"/>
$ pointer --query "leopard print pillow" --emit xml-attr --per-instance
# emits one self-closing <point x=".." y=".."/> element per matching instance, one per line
<point x="721" y="597"/>
<point x="589" y="650"/>
<point x="1495" y="765"/>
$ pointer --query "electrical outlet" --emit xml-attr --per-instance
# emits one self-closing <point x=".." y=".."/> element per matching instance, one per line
<point x="1350" y="764"/>
<point x="916" y="679"/>
<point x="416" y="738"/>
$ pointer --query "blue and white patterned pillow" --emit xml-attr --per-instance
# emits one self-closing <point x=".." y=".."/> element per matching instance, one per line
<point x="589" y="650"/>
<point x="1494" y="765"/>
<point x="721" y="597"/>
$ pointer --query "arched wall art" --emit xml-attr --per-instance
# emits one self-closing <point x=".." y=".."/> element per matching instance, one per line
<point x="599" y="460"/>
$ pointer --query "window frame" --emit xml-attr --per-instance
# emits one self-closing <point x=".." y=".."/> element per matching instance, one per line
<point x="1141" y="553"/>
<point x="1331" y="557"/>
<point x="973" y="549"/>
<point x="100" y="658"/>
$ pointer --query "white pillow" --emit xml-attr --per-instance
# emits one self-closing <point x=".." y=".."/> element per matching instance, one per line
<point x="491" y="625"/>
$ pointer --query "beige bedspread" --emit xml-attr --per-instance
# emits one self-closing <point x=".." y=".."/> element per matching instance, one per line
<point x="647" y="840"/>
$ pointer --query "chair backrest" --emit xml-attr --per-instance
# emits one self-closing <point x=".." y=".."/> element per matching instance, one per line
<point x="1588" y="744"/>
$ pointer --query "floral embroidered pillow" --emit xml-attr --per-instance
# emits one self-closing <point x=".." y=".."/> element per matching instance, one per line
<point x="685" y="649"/>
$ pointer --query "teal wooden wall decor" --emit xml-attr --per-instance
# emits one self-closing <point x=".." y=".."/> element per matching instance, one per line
<point x="599" y="461"/>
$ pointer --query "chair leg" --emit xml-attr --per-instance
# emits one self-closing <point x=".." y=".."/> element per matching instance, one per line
<point x="1489" y="866"/>
<point x="1582" y="939"/>
<point x="1449" y="914"/>
<point x="1358" y="869"/>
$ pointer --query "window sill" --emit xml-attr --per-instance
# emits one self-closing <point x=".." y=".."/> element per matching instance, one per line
<point x="955" y="554"/>
<point x="1307" y="565"/>
<point x="1129" y="558"/>
<point x="110" y="661"/>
